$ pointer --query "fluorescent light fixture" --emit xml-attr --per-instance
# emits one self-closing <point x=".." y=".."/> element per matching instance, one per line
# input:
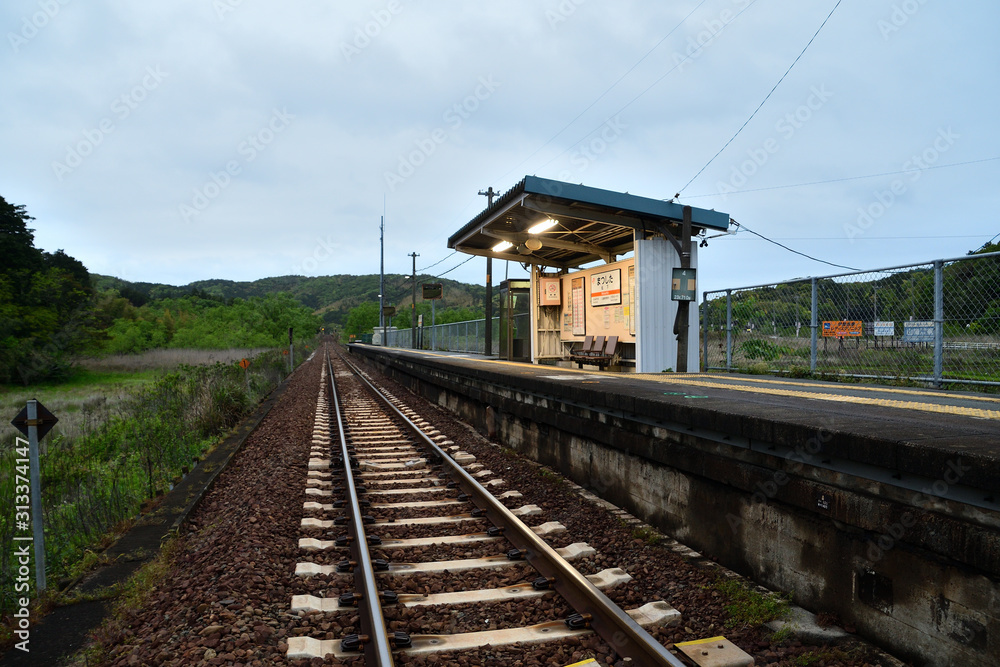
<point x="503" y="245"/>
<point x="542" y="226"/>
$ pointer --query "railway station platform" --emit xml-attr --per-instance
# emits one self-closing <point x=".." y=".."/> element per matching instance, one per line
<point x="880" y="505"/>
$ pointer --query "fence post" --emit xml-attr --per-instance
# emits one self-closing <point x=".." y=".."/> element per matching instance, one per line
<point x="813" y="325"/>
<point x="466" y="336"/>
<point x="729" y="330"/>
<point x="938" y="321"/>
<point x="704" y="331"/>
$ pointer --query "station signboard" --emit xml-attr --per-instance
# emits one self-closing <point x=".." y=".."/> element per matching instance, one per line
<point x="433" y="290"/>
<point x="683" y="285"/>
<point x="606" y="288"/>
<point x="842" y="329"/>
<point x="918" y="332"/>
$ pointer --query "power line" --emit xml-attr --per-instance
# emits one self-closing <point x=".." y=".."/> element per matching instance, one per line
<point x="607" y="90"/>
<point x="822" y="261"/>
<point x="848" y="178"/>
<point x="766" y="97"/>
<point x="471" y="257"/>
<point x="686" y="58"/>
<point x="453" y="252"/>
<point x="874" y="238"/>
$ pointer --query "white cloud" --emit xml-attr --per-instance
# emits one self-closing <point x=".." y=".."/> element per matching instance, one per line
<point x="324" y="175"/>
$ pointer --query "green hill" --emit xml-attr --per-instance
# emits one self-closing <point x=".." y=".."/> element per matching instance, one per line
<point x="331" y="297"/>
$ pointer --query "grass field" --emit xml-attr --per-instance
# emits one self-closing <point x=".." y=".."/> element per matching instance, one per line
<point x="129" y="427"/>
<point x="99" y="385"/>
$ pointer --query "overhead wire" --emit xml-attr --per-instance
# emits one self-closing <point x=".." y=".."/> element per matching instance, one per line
<point x="841" y="180"/>
<point x="683" y="60"/>
<point x="766" y="97"/>
<point x="874" y="238"/>
<point x="471" y="257"/>
<point x="607" y="90"/>
<point x="431" y="266"/>
<point x="782" y="245"/>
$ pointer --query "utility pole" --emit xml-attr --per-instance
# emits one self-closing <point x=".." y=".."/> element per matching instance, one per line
<point x="413" y="306"/>
<point x="488" y="306"/>
<point x="381" y="277"/>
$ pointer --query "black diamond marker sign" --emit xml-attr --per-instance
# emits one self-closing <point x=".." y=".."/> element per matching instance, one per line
<point x="46" y="420"/>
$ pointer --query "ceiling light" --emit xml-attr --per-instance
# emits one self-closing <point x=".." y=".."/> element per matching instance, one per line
<point x="542" y="226"/>
<point x="533" y="244"/>
<point x="503" y="245"/>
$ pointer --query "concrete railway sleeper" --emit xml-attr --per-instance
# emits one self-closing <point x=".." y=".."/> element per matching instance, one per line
<point x="372" y="458"/>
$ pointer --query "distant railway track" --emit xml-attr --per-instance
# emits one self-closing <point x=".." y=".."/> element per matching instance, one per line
<point x="383" y="486"/>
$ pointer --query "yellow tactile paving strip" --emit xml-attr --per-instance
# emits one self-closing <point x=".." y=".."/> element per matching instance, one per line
<point x="850" y="387"/>
<point x="819" y="395"/>
<point x="753" y="386"/>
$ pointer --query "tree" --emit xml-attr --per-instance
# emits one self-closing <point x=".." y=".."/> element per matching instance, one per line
<point x="361" y="319"/>
<point x="44" y="303"/>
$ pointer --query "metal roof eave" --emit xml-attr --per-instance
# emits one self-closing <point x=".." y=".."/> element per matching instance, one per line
<point x="578" y="202"/>
<point x="624" y="202"/>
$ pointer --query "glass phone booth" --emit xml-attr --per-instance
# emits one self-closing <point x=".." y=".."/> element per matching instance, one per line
<point x="515" y="320"/>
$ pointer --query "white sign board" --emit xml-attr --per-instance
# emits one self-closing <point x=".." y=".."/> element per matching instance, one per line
<point x="885" y="328"/>
<point x="918" y="332"/>
<point x="606" y="288"/>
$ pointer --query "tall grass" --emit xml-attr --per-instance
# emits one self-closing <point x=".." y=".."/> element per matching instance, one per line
<point x="126" y="451"/>
<point x="168" y="358"/>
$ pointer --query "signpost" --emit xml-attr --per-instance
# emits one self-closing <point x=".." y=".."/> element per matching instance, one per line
<point x="245" y="365"/>
<point x="433" y="292"/>
<point x="35" y="421"/>
<point x="387" y="313"/>
<point x="681" y="322"/>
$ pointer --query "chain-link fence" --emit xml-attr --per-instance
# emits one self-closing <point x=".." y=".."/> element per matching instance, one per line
<point x="467" y="336"/>
<point x="937" y="322"/>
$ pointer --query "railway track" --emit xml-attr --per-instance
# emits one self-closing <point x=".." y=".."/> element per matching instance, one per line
<point x="269" y="570"/>
<point x="400" y="529"/>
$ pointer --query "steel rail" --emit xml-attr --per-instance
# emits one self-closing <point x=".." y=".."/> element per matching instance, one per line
<point x="377" y="649"/>
<point x="617" y="628"/>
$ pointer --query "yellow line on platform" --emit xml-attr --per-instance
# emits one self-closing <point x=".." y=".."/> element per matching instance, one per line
<point x="839" y="398"/>
<point x="732" y="384"/>
<point x="851" y="387"/>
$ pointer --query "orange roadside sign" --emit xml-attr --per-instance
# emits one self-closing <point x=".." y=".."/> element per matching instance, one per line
<point x="245" y="364"/>
<point x="842" y="329"/>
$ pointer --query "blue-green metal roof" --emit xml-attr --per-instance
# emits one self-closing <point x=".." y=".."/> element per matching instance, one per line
<point x="625" y="202"/>
<point x="592" y="223"/>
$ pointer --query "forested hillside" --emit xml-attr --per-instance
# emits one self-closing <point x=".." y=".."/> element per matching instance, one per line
<point x="53" y="311"/>
<point x="331" y="297"/>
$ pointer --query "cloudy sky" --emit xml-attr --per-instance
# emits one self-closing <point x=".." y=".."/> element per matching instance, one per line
<point x="173" y="141"/>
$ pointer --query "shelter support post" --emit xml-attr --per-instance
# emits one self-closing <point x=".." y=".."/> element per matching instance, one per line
<point x="682" y="324"/>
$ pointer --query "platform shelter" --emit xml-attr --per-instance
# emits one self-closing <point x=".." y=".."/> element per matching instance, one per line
<point x="602" y="264"/>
